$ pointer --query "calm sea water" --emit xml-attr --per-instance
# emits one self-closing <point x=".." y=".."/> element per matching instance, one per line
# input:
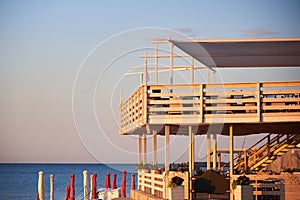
<point x="19" y="181"/>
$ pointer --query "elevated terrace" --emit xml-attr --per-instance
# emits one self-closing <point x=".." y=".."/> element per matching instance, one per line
<point x="231" y="108"/>
<point x="255" y="107"/>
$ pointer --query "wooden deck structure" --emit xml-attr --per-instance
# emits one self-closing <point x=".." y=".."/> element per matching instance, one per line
<point x="214" y="108"/>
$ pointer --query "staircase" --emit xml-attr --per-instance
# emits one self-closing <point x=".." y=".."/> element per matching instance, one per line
<point x="265" y="151"/>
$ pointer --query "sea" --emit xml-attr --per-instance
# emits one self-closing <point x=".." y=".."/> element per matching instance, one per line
<point x="20" y="181"/>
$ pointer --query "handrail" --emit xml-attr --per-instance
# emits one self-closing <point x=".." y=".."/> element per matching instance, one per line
<point x="270" y="147"/>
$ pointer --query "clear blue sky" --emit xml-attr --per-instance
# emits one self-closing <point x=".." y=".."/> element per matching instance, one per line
<point x="44" y="43"/>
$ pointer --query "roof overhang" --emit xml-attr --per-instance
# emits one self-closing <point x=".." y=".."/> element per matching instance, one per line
<point x="275" y="52"/>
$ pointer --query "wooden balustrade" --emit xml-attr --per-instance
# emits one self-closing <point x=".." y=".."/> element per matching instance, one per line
<point x="186" y="104"/>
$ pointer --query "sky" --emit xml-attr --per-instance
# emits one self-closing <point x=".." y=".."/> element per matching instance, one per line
<point x="62" y="66"/>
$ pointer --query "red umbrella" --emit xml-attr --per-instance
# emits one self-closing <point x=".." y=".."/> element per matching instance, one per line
<point x="107" y="181"/>
<point x="67" y="192"/>
<point x="114" y="183"/>
<point x="94" y="184"/>
<point x="123" y="188"/>
<point x="37" y="196"/>
<point x="72" y="183"/>
<point x="132" y="181"/>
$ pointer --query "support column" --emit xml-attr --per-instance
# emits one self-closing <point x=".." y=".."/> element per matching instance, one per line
<point x="219" y="161"/>
<point x="231" y="158"/>
<point x="154" y="147"/>
<point x="167" y="148"/>
<point x="145" y="149"/>
<point x="208" y="150"/>
<point x="191" y="158"/>
<point x="214" y="151"/>
<point x="140" y="149"/>
<point x="191" y="151"/>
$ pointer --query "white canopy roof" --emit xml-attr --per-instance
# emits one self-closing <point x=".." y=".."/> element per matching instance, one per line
<point x="275" y="52"/>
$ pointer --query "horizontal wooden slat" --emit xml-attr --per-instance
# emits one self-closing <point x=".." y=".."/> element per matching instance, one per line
<point x="281" y="84"/>
<point x="264" y="100"/>
<point x="175" y="94"/>
<point x="245" y="108"/>
<point x="174" y="101"/>
<point x="214" y="101"/>
<point x="229" y="93"/>
<point x="280" y="92"/>
<point x="166" y="109"/>
<point x="175" y="86"/>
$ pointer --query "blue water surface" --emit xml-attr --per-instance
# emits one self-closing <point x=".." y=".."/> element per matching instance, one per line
<point x="19" y="181"/>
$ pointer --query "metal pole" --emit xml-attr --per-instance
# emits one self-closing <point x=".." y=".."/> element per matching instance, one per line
<point x="145" y="77"/>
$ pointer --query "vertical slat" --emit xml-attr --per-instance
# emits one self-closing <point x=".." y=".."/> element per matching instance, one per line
<point x="258" y="98"/>
<point x="201" y="103"/>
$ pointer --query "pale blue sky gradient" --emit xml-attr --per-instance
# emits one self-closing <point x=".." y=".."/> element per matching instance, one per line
<point x="44" y="43"/>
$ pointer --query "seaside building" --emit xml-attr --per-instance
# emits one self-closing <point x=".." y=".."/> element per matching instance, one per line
<point x="211" y="108"/>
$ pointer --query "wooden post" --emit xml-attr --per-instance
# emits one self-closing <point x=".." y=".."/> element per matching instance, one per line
<point x="51" y="187"/>
<point x="214" y="151"/>
<point x="231" y="158"/>
<point x="140" y="149"/>
<point x="85" y="185"/>
<point x="258" y="86"/>
<point x="192" y="74"/>
<point x="171" y="62"/>
<point x="156" y="63"/>
<point x="208" y="150"/>
<point x="219" y="161"/>
<point x="167" y="146"/>
<point x="145" y="148"/>
<point x="191" y="158"/>
<point x="154" y="146"/>
<point x="41" y="185"/>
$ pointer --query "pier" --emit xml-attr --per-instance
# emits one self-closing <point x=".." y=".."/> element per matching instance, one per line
<point x="231" y="109"/>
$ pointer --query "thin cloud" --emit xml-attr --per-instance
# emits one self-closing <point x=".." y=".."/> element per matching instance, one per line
<point x="259" y="32"/>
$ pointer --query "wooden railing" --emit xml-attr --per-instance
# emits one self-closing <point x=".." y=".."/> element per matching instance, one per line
<point x="211" y="103"/>
<point x="265" y="149"/>
<point x="157" y="184"/>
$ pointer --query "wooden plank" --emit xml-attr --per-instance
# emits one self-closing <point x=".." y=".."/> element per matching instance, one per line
<point x="231" y="85"/>
<point x="281" y="84"/>
<point x="213" y="101"/>
<point x="281" y="106"/>
<point x="175" y="94"/>
<point x="224" y="108"/>
<point x="178" y="101"/>
<point x="174" y="86"/>
<point x="265" y="92"/>
<point x="168" y="109"/>
<point x="265" y="100"/>
<point x="229" y="93"/>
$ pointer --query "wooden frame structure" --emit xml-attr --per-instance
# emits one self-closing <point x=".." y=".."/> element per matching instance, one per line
<point x="234" y="108"/>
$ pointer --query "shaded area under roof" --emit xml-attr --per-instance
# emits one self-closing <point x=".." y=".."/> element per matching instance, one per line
<point x="275" y="52"/>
